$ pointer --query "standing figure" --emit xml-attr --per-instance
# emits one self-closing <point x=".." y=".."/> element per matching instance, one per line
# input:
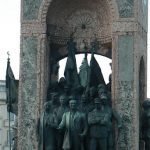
<point x="75" y="125"/>
<point x="111" y="114"/>
<point x="146" y="124"/>
<point x="98" y="121"/>
<point x="54" y="101"/>
<point x="46" y="129"/>
<point x="102" y="90"/>
<point x="61" y="85"/>
<point x="85" y="107"/>
<point x="58" y="114"/>
<point x="92" y="93"/>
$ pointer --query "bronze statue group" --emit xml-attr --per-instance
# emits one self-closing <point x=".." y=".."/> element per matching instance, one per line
<point x="85" y="123"/>
<point x="78" y="113"/>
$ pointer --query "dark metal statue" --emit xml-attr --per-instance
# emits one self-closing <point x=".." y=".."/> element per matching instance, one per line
<point x="102" y="90"/>
<point x="98" y="121"/>
<point x="75" y="126"/>
<point x="53" y="101"/>
<point x="87" y="124"/>
<point x="85" y="106"/>
<point x="46" y="129"/>
<point x="146" y="124"/>
<point x="111" y="115"/>
<point x="58" y="114"/>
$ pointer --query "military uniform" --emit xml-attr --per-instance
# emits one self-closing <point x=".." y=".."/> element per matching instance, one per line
<point x="97" y="120"/>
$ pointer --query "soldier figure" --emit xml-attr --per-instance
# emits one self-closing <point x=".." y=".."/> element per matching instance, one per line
<point x="85" y="107"/>
<point x="111" y="115"/>
<point x="98" y="121"/>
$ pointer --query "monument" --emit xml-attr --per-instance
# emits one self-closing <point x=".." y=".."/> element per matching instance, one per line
<point x="54" y="29"/>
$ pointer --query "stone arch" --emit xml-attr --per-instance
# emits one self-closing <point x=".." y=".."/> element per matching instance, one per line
<point x="46" y="3"/>
<point x="42" y="18"/>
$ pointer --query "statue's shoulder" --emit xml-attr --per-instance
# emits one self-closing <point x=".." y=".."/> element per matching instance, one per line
<point x="91" y="113"/>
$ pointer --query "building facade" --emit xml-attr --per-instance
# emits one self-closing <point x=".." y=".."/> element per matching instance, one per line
<point x="4" y="119"/>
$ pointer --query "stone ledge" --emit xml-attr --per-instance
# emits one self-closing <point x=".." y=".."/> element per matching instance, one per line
<point x="124" y="26"/>
<point x="33" y="28"/>
<point x="120" y="27"/>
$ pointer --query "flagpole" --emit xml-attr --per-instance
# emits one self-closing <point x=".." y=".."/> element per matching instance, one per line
<point x="9" y="132"/>
<point x="9" y="104"/>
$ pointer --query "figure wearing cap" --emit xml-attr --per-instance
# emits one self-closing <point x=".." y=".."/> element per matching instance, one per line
<point x="112" y="115"/>
<point x="146" y="123"/>
<point x="102" y="90"/>
<point x="98" y="122"/>
<point x="85" y="107"/>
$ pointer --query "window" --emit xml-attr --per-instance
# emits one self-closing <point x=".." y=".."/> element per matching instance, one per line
<point x="2" y="88"/>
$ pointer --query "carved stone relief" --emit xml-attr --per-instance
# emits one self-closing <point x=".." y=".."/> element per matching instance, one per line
<point x="125" y="8"/>
<point x="87" y="18"/>
<point x="31" y="9"/>
<point x="125" y="103"/>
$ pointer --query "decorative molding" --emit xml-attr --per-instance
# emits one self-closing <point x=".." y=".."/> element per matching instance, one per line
<point x="33" y="28"/>
<point x="46" y="3"/>
<point x="125" y="8"/>
<point x="124" y="26"/>
<point x="31" y="9"/>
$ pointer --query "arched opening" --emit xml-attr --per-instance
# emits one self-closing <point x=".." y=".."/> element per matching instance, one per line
<point x="141" y="97"/>
<point x="104" y="63"/>
<point x="86" y="21"/>
<point x="78" y="27"/>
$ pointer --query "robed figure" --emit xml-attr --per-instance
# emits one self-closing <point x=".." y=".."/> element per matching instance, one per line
<point x="47" y="129"/>
<point x="70" y="72"/>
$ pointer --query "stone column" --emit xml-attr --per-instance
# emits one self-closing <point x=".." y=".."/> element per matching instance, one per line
<point x="33" y="82"/>
<point x="126" y="54"/>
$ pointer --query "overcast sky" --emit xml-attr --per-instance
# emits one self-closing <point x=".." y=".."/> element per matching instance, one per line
<point x="10" y="38"/>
